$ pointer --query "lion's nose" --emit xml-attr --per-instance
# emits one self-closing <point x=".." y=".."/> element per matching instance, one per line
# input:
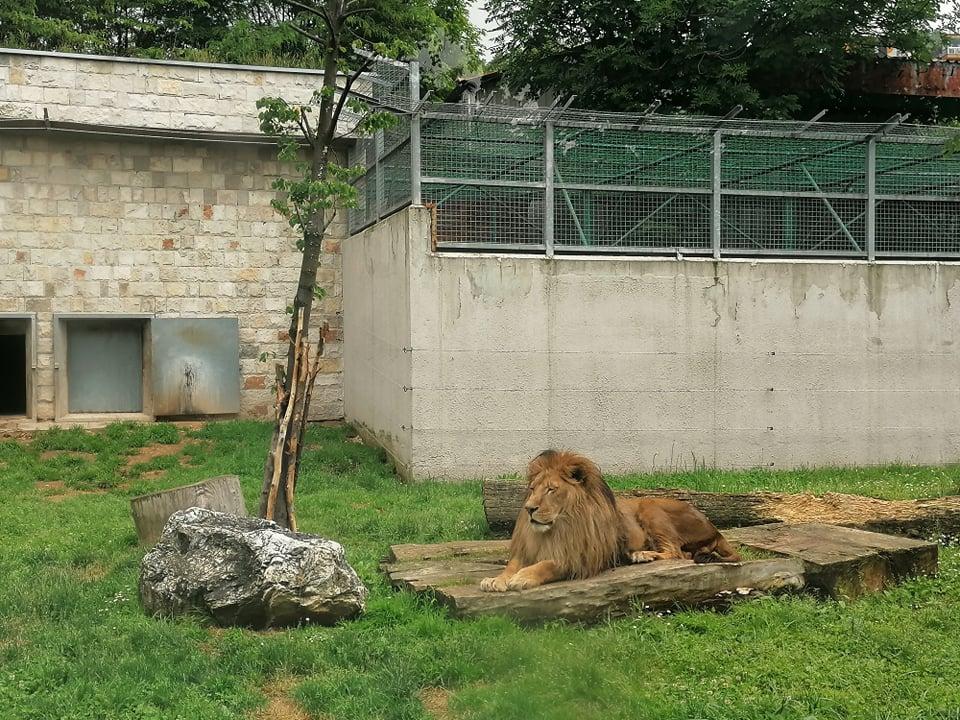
<point x="532" y="508"/>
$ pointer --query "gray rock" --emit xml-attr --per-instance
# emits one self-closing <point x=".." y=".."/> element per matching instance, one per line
<point x="247" y="571"/>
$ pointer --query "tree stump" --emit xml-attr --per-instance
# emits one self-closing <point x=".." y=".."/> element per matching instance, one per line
<point x="151" y="512"/>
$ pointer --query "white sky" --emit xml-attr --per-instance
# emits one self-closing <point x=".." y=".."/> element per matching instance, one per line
<point x="478" y="16"/>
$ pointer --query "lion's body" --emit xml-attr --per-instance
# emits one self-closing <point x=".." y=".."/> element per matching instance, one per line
<point x="572" y="526"/>
<point x="676" y="529"/>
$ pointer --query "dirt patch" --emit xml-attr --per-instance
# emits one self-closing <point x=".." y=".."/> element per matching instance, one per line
<point x="150" y="452"/>
<point x="50" y="454"/>
<point x="279" y="704"/>
<point x="94" y="572"/>
<point x="56" y="491"/>
<point x="436" y="702"/>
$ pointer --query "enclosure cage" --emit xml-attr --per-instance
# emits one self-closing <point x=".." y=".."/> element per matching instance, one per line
<point x="558" y="180"/>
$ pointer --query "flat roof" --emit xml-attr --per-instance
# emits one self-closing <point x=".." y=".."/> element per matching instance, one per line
<point x="140" y="133"/>
<point x="152" y="61"/>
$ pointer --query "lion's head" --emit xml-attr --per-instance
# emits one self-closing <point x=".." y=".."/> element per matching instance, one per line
<point x="569" y="516"/>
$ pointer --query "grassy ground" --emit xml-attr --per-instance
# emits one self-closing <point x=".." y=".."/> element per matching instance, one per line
<point x="74" y="643"/>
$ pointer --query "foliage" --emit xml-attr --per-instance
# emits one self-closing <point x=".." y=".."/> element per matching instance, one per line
<point x="74" y="644"/>
<point x="236" y="31"/>
<point x="777" y="58"/>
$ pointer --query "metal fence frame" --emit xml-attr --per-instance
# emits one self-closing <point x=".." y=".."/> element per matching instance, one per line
<point x="711" y="198"/>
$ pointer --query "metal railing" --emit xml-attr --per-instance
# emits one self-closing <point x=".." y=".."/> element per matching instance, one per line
<point x="557" y="181"/>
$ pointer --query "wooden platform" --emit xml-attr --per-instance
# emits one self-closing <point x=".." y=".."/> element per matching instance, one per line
<point x="832" y="560"/>
<point x="842" y="562"/>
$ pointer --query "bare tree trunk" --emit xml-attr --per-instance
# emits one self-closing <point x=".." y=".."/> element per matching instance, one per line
<point x="294" y="392"/>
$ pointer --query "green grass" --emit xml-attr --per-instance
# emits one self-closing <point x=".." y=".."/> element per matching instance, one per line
<point x="74" y="643"/>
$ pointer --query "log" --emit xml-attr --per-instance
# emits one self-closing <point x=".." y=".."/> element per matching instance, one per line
<point x="450" y="573"/>
<point x="840" y="562"/>
<point x="151" y="512"/>
<point x="502" y="500"/>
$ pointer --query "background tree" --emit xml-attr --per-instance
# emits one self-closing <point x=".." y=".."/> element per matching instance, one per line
<point x="777" y="58"/>
<point x="256" y="32"/>
<point x="348" y="34"/>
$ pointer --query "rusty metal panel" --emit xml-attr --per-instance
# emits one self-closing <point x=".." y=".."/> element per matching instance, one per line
<point x="105" y="366"/>
<point x="196" y="366"/>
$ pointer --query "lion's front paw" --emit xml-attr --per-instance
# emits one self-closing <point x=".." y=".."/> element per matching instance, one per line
<point x="521" y="581"/>
<point x="643" y="556"/>
<point x="493" y="584"/>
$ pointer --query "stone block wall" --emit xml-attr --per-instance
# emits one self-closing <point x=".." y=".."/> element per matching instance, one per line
<point x="119" y="225"/>
<point x="143" y="93"/>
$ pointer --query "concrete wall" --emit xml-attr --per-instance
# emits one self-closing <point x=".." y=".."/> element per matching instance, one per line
<point x="377" y="321"/>
<point x="660" y="364"/>
<point x="171" y="229"/>
<point x="143" y="93"/>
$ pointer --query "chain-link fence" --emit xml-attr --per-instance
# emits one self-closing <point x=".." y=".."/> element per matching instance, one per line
<point x="385" y="184"/>
<point x="567" y="181"/>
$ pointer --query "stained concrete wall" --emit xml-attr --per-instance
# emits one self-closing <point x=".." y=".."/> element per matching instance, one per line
<point x="377" y="320"/>
<point x="660" y="364"/>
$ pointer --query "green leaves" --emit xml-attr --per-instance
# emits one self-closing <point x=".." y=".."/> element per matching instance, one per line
<point x="778" y="58"/>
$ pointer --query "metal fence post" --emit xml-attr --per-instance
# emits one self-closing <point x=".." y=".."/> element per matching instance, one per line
<point x="377" y="174"/>
<point x="548" y="173"/>
<point x="416" y="197"/>
<point x="872" y="199"/>
<point x="716" y="159"/>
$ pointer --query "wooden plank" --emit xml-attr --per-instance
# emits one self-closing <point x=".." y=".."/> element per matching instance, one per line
<point x="842" y="562"/>
<point x="460" y="548"/>
<point x="666" y="583"/>
<point x="151" y="512"/>
<point x="426" y="574"/>
<point x="918" y="518"/>
<point x="451" y="573"/>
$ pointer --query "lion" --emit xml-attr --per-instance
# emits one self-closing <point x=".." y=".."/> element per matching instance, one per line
<point x="571" y="526"/>
<point x="673" y="529"/>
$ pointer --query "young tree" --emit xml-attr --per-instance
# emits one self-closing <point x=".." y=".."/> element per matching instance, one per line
<point x="348" y="34"/>
<point x="777" y="58"/>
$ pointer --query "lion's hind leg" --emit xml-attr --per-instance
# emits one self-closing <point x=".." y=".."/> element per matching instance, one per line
<point x="720" y="550"/>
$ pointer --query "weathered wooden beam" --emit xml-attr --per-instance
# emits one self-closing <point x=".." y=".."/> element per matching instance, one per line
<point x="916" y="518"/>
<point x="151" y="512"/>
<point x="830" y="560"/>
<point x="667" y="583"/>
<point x="842" y="562"/>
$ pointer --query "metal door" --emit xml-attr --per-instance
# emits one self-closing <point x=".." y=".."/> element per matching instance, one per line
<point x="196" y="366"/>
<point x="104" y="366"/>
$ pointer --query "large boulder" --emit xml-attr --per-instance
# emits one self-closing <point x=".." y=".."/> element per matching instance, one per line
<point x="247" y="571"/>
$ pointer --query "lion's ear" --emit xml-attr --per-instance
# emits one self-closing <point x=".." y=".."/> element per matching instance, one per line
<point x="584" y="470"/>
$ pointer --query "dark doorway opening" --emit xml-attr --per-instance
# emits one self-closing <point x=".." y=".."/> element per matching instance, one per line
<point x="13" y="374"/>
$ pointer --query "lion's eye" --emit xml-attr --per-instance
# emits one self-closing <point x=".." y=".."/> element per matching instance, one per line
<point x="550" y="490"/>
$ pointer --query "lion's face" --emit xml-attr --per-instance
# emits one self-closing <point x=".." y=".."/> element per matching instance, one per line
<point x="555" y="480"/>
<point x="547" y="496"/>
